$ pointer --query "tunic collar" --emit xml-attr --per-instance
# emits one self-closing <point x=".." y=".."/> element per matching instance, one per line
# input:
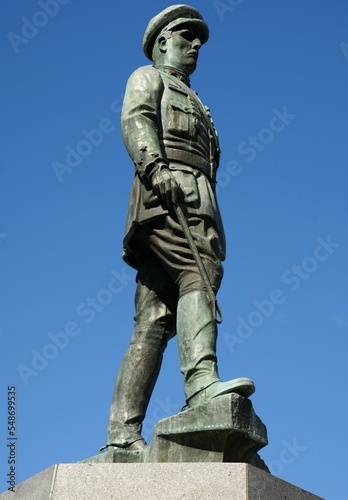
<point x="170" y="70"/>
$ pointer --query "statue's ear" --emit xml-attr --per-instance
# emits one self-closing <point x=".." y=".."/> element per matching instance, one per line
<point x="162" y="43"/>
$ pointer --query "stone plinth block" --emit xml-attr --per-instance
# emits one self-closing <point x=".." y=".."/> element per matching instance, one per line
<point x="225" y="429"/>
<point x="156" y="481"/>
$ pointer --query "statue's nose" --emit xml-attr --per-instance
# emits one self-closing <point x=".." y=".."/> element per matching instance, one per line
<point x="196" y="44"/>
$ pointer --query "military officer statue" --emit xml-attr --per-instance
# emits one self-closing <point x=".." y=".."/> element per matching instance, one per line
<point x="172" y="141"/>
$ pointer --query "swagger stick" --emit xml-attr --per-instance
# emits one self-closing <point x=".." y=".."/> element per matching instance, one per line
<point x="199" y="262"/>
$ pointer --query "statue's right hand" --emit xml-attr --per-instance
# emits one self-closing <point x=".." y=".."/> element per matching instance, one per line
<point x="164" y="185"/>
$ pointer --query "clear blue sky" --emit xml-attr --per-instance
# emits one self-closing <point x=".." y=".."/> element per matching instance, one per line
<point x="275" y="75"/>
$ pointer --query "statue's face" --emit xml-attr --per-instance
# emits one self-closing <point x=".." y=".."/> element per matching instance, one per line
<point x="181" y="50"/>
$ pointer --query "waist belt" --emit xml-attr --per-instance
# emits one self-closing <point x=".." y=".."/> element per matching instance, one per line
<point x="192" y="160"/>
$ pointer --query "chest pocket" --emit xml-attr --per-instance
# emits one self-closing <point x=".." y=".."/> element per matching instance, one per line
<point x="179" y="119"/>
<point x="182" y="115"/>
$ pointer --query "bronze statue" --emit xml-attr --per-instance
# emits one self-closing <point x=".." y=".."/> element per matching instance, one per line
<point x="170" y="136"/>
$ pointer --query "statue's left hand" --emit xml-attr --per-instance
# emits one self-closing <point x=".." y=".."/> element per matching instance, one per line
<point x="164" y="185"/>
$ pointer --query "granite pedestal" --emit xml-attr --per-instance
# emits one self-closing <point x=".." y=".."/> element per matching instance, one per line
<point x="156" y="481"/>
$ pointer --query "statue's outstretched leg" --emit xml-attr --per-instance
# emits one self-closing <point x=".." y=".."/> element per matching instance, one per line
<point x="196" y="330"/>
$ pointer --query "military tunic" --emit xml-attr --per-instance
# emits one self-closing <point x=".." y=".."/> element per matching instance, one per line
<point x="164" y="121"/>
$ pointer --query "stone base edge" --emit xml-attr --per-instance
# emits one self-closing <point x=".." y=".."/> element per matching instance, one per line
<point x="155" y="481"/>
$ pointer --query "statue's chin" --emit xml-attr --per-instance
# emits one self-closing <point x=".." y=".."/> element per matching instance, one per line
<point x="189" y="69"/>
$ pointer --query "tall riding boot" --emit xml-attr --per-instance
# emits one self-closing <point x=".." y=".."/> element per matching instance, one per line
<point x="134" y="385"/>
<point x="197" y="332"/>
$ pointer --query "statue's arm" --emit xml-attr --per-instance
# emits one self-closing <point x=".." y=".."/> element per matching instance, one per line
<point x="141" y="121"/>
